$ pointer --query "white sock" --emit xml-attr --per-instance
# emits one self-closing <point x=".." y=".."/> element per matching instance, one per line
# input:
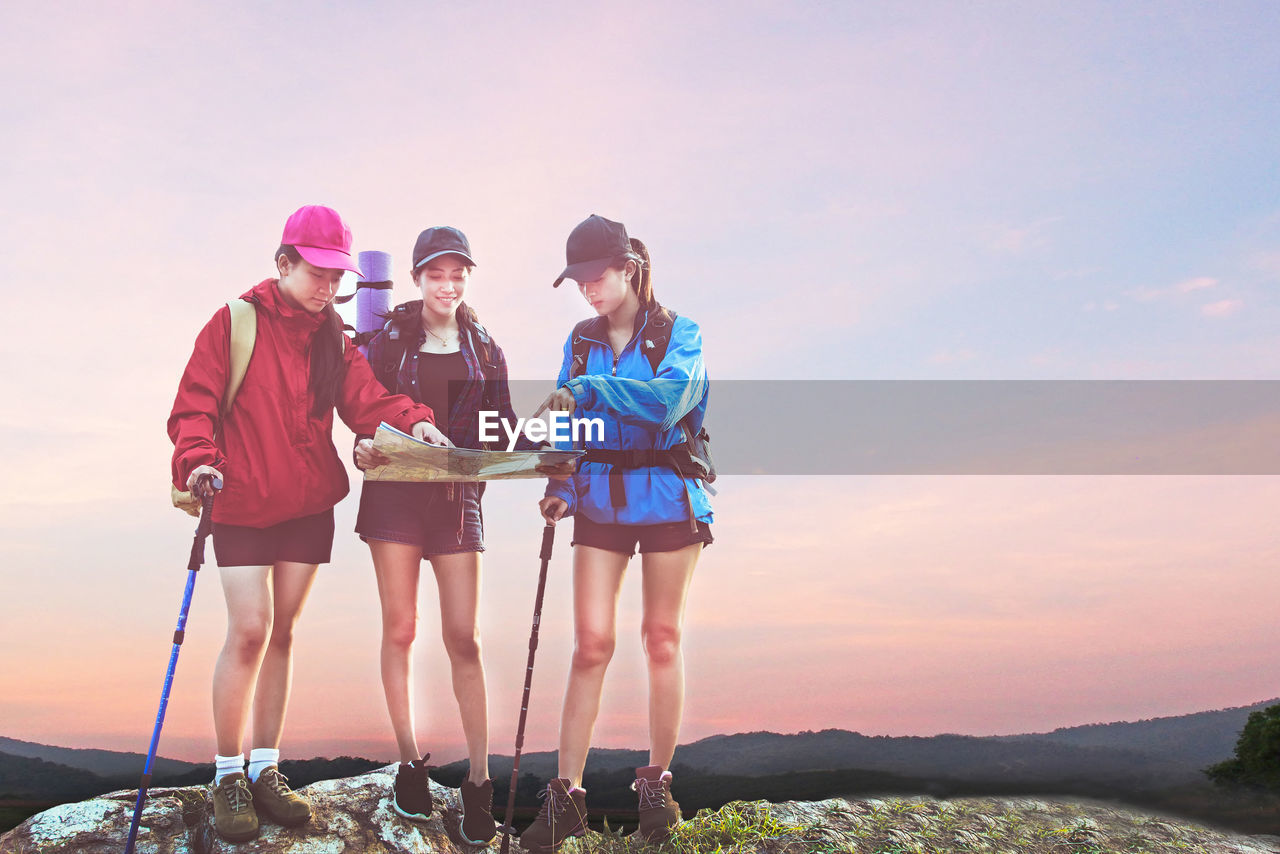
<point x="260" y="758"/>
<point x="227" y="765"/>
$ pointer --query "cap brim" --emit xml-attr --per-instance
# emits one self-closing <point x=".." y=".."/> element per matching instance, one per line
<point x="457" y="252"/>
<point x="584" y="271"/>
<point x="333" y="259"/>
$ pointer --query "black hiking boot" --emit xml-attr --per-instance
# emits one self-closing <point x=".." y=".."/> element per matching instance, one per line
<point x="478" y="826"/>
<point x="413" y="790"/>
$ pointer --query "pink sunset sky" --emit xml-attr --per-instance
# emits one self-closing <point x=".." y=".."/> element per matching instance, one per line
<point x="834" y="191"/>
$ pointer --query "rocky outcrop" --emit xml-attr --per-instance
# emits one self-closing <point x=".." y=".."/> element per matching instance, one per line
<point x="354" y="815"/>
<point x="920" y="825"/>
<point x="348" y="816"/>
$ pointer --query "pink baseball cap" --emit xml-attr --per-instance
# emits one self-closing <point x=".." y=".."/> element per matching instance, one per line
<point x="321" y="238"/>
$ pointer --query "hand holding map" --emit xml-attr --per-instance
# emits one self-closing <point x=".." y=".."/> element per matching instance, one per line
<point x="411" y="460"/>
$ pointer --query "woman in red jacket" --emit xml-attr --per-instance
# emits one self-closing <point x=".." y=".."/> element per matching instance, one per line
<point x="273" y="520"/>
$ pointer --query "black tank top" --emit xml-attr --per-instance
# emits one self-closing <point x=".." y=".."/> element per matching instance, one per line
<point x="440" y="379"/>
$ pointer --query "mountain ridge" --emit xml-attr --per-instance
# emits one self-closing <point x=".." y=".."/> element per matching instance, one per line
<point x="105" y="763"/>
<point x="1162" y="750"/>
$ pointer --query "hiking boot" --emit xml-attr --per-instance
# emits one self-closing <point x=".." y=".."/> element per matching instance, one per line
<point x="277" y="801"/>
<point x="478" y="826"/>
<point x="563" y="814"/>
<point x="234" y="818"/>
<point x="658" y="810"/>
<point x="413" y="790"/>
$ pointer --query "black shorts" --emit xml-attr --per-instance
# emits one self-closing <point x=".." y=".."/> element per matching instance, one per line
<point x="307" y="539"/>
<point x="422" y="515"/>
<point x="663" y="537"/>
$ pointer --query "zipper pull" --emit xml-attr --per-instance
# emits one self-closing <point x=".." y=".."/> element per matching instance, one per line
<point x="615" y="366"/>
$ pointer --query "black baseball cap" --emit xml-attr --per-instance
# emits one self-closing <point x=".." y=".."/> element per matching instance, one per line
<point x="441" y="240"/>
<point x="593" y="245"/>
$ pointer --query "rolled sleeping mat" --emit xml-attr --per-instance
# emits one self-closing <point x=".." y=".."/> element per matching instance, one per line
<point x="373" y="295"/>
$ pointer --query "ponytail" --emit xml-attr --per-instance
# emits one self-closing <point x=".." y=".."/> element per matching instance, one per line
<point x="642" y="281"/>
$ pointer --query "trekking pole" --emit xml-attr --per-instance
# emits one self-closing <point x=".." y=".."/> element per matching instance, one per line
<point x="548" y="537"/>
<point x="206" y="485"/>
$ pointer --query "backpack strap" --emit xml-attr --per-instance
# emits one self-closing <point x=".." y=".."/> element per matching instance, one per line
<point x="482" y="345"/>
<point x="401" y="326"/>
<point x="654" y="345"/>
<point x="578" y="347"/>
<point x="244" y="333"/>
<point x="658" y="336"/>
<point x="481" y="340"/>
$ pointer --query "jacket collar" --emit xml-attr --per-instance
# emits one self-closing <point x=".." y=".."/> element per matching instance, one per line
<point x="408" y="316"/>
<point x="267" y="294"/>
<point x="597" y="328"/>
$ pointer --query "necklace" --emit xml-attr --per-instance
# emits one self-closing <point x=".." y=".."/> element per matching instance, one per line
<point x="448" y="343"/>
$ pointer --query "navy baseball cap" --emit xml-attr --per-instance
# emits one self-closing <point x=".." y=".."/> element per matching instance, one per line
<point x="441" y="240"/>
<point x="593" y="245"/>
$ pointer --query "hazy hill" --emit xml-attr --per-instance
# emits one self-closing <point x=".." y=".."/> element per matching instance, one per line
<point x="1139" y="755"/>
<point x="108" y="763"/>
<point x="23" y="777"/>
<point x="941" y="756"/>
<point x="1198" y="739"/>
<point x="1155" y="753"/>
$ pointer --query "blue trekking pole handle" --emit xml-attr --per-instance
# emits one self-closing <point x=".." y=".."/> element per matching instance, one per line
<point x="206" y="486"/>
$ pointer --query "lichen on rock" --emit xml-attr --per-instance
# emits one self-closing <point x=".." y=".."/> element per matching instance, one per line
<point x="354" y="815"/>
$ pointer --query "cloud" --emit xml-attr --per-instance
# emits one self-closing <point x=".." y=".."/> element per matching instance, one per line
<point x="1147" y="294"/>
<point x="1019" y="238"/>
<point x="1196" y="284"/>
<point x="949" y="357"/>
<point x="1221" y="308"/>
<point x="1186" y="286"/>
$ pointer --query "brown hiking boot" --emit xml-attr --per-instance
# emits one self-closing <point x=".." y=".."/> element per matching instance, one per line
<point x="478" y="826"/>
<point x="234" y="818"/>
<point x="412" y="798"/>
<point x="658" y="810"/>
<point x="563" y="814"/>
<point x="277" y="801"/>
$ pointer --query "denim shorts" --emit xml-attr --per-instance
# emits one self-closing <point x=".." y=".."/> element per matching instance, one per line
<point x="663" y="537"/>
<point x="422" y="515"/>
<point x="307" y="539"/>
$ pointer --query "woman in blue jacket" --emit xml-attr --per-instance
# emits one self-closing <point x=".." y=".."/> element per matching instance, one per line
<point x="612" y="371"/>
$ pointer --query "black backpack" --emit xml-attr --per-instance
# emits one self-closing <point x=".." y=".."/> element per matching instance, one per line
<point x="402" y="326"/>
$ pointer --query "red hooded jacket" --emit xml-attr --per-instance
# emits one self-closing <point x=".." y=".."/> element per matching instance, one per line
<point x="277" y="461"/>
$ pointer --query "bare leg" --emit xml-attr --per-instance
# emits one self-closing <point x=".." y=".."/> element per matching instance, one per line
<point x="458" y="577"/>
<point x="397" y="567"/>
<point x="597" y="580"/>
<point x="666" y="585"/>
<point x="248" y="595"/>
<point x="291" y="582"/>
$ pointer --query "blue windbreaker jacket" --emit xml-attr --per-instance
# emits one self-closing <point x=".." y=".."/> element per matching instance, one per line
<point x="640" y="409"/>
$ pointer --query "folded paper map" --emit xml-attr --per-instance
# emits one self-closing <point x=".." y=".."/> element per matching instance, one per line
<point x="412" y="460"/>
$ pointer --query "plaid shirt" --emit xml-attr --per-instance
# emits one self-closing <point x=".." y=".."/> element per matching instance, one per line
<point x="485" y="387"/>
